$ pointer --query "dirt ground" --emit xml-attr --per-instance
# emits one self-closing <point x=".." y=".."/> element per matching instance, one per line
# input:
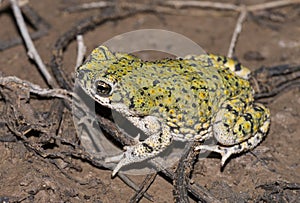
<point x="271" y="35"/>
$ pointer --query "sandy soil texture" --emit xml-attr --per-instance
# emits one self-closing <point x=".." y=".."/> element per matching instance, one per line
<point x="36" y="167"/>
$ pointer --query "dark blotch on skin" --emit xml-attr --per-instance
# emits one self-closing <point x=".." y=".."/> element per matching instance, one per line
<point x="131" y="103"/>
<point x="155" y="82"/>
<point x="148" y="148"/>
<point x="248" y="117"/>
<point x="226" y="125"/>
<point x="257" y="108"/>
<point x="228" y="107"/>
<point x="184" y="90"/>
<point x="214" y="76"/>
<point x="249" y="143"/>
<point x="237" y="67"/>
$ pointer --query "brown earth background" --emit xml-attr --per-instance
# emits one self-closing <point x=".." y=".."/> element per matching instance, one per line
<point x="269" y="38"/>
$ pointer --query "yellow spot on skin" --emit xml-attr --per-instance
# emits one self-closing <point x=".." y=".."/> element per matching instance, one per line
<point x="190" y="122"/>
<point x="202" y="119"/>
<point x="176" y="131"/>
<point x="167" y="101"/>
<point x="171" y="111"/>
<point x="171" y="124"/>
<point x="198" y="127"/>
<point x="152" y="91"/>
<point x="189" y="136"/>
<point x="206" y="125"/>
<point x="179" y="117"/>
<point x="247" y="126"/>
<point x="202" y="95"/>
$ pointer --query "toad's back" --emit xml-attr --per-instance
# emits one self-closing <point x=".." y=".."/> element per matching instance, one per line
<point x="184" y="93"/>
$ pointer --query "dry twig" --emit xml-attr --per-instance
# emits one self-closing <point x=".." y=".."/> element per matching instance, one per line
<point x="271" y="5"/>
<point x="181" y="180"/>
<point x="36" y="89"/>
<point x="271" y="81"/>
<point x="143" y="188"/>
<point x="81" y="49"/>
<point x="243" y="9"/>
<point x="32" y="52"/>
<point x="202" y="4"/>
<point x="81" y="27"/>
<point x="237" y="31"/>
<point x="92" y="5"/>
<point x="22" y="119"/>
<point x="228" y="6"/>
<point x="39" y="24"/>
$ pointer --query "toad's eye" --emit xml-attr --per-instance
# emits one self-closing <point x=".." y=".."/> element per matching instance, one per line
<point x="103" y="88"/>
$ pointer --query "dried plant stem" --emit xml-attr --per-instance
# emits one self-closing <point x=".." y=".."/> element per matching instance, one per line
<point x="228" y="6"/>
<point x="132" y="185"/>
<point x="149" y="179"/>
<point x="237" y="31"/>
<point x="272" y="4"/>
<point x="242" y="9"/>
<point x="36" y="89"/>
<point x="202" y="4"/>
<point x="32" y="52"/>
<point x="92" y="5"/>
<point x="81" y="49"/>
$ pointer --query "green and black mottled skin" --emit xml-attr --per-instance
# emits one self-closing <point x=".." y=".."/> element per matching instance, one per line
<point x="193" y="98"/>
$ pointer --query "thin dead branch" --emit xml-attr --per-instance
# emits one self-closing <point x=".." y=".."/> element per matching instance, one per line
<point x="149" y="179"/>
<point x="87" y="6"/>
<point x="278" y="191"/>
<point x="23" y="120"/>
<point x="272" y="5"/>
<point x="81" y="49"/>
<point x="36" y="89"/>
<point x="202" y="4"/>
<point x="237" y="31"/>
<point x="38" y="23"/>
<point x="82" y="27"/>
<point x="181" y="177"/>
<point x="271" y="81"/>
<point x="228" y="6"/>
<point x="32" y="52"/>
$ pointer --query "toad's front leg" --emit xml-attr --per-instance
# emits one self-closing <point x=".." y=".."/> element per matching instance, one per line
<point x="146" y="149"/>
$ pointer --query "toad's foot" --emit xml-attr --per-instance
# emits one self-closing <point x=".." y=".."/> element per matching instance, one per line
<point x="250" y="143"/>
<point x="238" y="128"/>
<point x="146" y="149"/>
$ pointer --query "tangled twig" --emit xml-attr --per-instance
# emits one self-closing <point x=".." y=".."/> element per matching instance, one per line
<point x="32" y="52"/>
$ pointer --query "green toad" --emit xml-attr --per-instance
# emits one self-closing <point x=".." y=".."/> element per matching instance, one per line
<point x="189" y="99"/>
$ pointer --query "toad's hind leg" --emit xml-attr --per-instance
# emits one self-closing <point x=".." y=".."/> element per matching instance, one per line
<point x="146" y="149"/>
<point x="238" y="132"/>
